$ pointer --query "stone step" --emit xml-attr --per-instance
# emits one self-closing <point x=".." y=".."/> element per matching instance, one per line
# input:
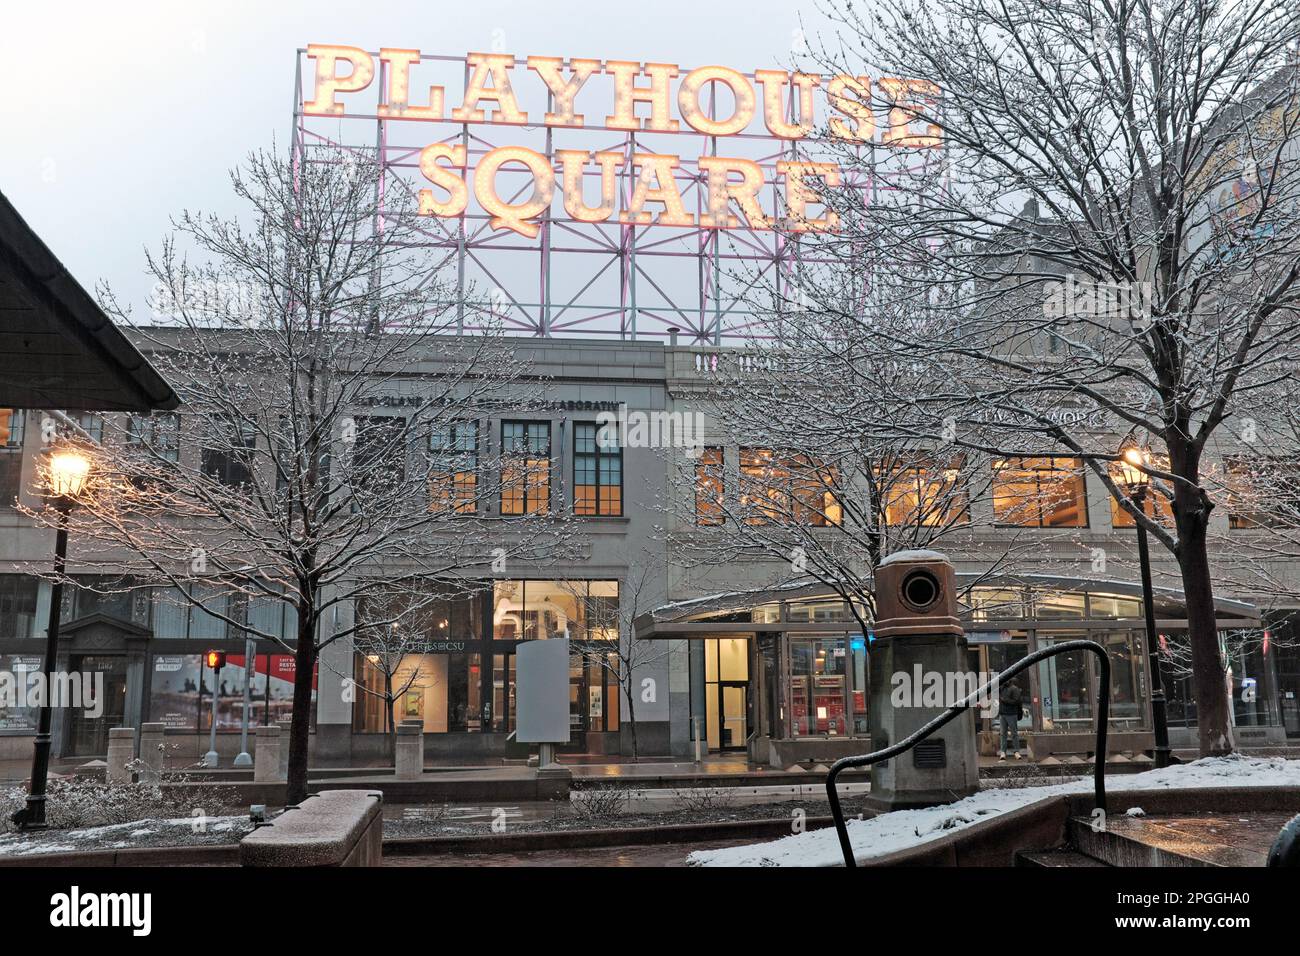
<point x="1194" y="839"/>
<point x="1061" y="857"/>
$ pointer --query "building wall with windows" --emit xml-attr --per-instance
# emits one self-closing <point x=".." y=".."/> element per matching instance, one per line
<point x="728" y="686"/>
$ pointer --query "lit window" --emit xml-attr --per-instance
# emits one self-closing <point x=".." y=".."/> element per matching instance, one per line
<point x="1263" y="492"/>
<point x="1040" y="492"/>
<point x="525" y="468"/>
<point x="1154" y="503"/>
<point x="710" y="486"/>
<point x="785" y="488"/>
<point x="453" y="471"/>
<point x="924" y="494"/>
<point x="597" y="471"/>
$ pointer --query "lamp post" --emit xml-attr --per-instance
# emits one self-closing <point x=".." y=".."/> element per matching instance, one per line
<point x="1132" y="464"/>
<point x="68" y="471"/>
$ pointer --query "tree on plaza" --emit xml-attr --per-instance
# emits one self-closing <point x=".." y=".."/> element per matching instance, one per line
<point x="1090" y="208"/>
<point x="328" y="442"/>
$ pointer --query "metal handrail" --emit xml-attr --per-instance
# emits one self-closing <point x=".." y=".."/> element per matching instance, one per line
<point x="1103" y="712"/>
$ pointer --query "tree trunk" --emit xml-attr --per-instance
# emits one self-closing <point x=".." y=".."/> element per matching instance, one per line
<point x="1192" y="508"/>
<point x="1209" y="680"/>
<point x="300" y="725"/>
<point x="631" y="719"/>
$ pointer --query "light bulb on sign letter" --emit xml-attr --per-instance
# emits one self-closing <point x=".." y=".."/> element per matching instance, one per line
<point x="907" y="99"/>
<point x="564" y="92"/>
<point x="688" y="100"/>
<point x="514" y="215"/>
<point x="496" y="67"/>
<point x="799" y="194"/>
<point x="397" y="97"/>
<point x="851" y="95"/>
<point x="656" y="184"/>
<point x="774" y="82"/>
<point x="722" y="191"/>
<point x="575" y="161"/>
<point x="328" y="83"/>
<point x="458" y="192"/>
<point x="627" y="94"/>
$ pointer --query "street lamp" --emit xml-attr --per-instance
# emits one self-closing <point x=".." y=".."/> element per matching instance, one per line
<point x="67" y="473"/>
<point x="1132" y="464"/>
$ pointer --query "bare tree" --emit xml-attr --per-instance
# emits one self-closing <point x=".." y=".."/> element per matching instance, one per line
<point x="1092" y="219"/>
<point x="821" y="482"/>
<point x="329" y="433"/>
<point x="609" y="640"/>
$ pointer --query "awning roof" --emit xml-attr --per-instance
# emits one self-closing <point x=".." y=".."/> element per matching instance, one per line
<point x="57" y="347"/>
<point x="660" y="622"/>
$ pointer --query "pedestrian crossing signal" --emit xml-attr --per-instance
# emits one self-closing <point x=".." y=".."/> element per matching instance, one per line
<point x="215" y="660"/>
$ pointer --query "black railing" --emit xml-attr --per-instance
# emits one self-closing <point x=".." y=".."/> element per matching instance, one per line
<point x="1103" y="714"/>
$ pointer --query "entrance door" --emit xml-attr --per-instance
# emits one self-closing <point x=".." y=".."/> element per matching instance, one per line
<point x="734" y="711"/>
<point x="87" y="735"/>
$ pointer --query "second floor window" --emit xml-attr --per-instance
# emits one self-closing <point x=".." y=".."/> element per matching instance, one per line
<point x="453" y="467"/>
<point x="924" y="494"/>
<point x="710" y="486"/>
<point x="228" y="455"/>
<point x="1262" y="491"/>
<point x="1039" y="492"/>
<point x="787" y="488"/>
<point x="157" y="436"/>
<point x="597" y="472"/>
<point x="378" y="455"/>
<point x="525" y="468"/>
<point x="11" y="455"/>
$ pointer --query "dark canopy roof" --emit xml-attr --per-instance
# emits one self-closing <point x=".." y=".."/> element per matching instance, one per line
<point x="57" y="347"/>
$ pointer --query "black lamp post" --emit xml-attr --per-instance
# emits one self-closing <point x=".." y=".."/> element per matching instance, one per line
<point x="1138" y="481"/>
<point x="67" y="478"/>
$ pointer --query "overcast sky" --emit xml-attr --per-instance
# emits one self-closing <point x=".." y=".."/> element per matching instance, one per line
<point x="119" y="115"/>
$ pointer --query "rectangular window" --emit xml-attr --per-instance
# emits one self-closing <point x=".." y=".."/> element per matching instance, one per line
<point x="1262" y="492"/>
<point x="924" y="495"/>
<point x="11" y="455"/>
<point x="1040" y="492"/>
<point x="525" y="468"/>
<point x="291" y="452"/>
<point x="18" y="594"/>
<point x="378" y="455"/>
<point x="597" y="471"/>
<point x="453" y="467"/>
<point x="228" y="455"/>
<point x="787" y="488"/>
<point x="710" y="486"/>
<point x="1154" y="503"/>
<point x="156" y="435"/>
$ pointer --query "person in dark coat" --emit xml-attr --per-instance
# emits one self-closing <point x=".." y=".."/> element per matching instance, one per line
<point x="1010" y="709"/>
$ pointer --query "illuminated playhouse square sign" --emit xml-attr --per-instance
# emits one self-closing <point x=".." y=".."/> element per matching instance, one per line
<point x="624" y="183"/>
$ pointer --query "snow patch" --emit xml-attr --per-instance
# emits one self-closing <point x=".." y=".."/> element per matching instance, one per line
<point x="902" y="829"/>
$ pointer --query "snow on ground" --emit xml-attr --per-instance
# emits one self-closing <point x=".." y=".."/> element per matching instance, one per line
<point x="174" y="832"/>
<point x="901" y="829"/>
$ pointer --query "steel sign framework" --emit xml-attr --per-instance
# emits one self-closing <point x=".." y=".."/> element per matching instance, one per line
<point x="705" y="269"/>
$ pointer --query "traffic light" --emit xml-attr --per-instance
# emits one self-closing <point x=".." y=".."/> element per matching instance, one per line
<point x="215" y="659"/>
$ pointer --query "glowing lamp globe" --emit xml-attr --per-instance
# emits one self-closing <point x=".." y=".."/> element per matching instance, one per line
<point x="68" y="473"/>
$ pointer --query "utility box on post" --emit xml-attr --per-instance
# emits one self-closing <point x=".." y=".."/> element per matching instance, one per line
<point x="918" y="661"/>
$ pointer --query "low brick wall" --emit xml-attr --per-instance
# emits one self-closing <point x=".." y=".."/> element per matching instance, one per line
<point x="332" y="828"/>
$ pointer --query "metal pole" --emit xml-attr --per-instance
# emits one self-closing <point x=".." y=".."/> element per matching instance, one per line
<point x="1159" y="716"/>
<point x="210" y="759"/>
<point x="244" y="760"/>
<point x="32" y="817"/>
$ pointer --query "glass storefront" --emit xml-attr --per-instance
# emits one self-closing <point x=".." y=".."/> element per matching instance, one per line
<point x="454" y="667"/>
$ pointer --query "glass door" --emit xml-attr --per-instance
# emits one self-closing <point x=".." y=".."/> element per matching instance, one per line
<point x="88" y="736"/>
<point x="735" y="719"/>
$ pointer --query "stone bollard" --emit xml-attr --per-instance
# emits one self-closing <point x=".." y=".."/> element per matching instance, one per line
<point x="121" y="751"/>
<point x="151" y="752"/>
<point x="332" y="828"/>
<point x="284" y="726"/>
<point x="266" y="755"/>
<point x="410" y="751"/>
